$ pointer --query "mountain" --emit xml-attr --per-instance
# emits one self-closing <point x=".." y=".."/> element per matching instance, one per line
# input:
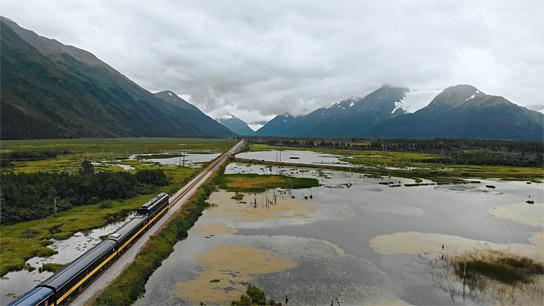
<point x="536" y="107"/>
<point x="281" y="125"/>
<point x="347" y="118"/>
<point x="236" y="125"/>
<point x="50" y="90"/>
<point x="463" y="111"/>
<point x="173" y="99"/>
<point x="460" y="111"/>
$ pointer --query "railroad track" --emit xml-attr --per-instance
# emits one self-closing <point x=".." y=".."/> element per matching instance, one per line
<point x="178" y="196"/>
<point x="175" y="203"/>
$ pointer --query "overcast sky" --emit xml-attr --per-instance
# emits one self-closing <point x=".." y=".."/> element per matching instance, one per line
<point x="256" y="59"/>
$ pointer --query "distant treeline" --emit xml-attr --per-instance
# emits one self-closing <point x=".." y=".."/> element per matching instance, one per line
<point x="29" y="196"/>
<point x="7" y="158"/>
<point x="453" y="151"/>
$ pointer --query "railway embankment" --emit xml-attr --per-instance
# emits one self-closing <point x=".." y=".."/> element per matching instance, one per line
<point x="129" y="285"/>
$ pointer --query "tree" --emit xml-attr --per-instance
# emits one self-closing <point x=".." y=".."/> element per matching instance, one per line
<point x="86" y="168"/>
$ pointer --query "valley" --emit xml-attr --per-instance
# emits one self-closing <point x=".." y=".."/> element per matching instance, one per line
<point x="271" y="153"/>
<point x="371" y="219"/>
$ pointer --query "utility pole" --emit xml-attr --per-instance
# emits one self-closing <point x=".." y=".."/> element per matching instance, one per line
<point x="55" y="206"/>
<point x="464" y="278"/>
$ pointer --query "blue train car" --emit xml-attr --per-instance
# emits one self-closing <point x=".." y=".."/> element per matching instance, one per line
<point x="154" y="206"/>
<point x="68" y="281"/>
<point x="126" y="235"/>
<point x="39" y="296"/>
<point x="147" y="215"/>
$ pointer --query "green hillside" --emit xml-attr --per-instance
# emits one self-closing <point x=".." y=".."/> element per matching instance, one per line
<point x="58" y="96"/>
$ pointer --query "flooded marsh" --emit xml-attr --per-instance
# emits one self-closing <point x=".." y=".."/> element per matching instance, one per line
<point x="350" y="239"/>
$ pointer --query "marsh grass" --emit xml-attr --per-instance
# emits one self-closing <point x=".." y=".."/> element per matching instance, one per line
<point x="260" y="183"/>
<point x="25" y="240"/>
<point x="502" y="267"/>
<point x="237" y="196"/>
<point x="100" y="150"/>
<point x="52" y="267"/>
<point x="497" y="277"/>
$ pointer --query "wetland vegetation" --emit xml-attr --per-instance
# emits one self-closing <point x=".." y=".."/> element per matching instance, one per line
<point x="259" y="183"/>
<point x="36" y="195"/>
<point x="109" y="150"/>
<point x="499" y="266"/>
<point x="423" y="159"/>
<point x="42" y="174"/>
<point x="28" y="239"/>
<point x="442" y="150"/>
<point x="499" y="276"/>
<point x="254" y="296"/>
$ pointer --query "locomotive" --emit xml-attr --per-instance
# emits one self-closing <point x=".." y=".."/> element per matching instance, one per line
<point x="62" y="286"/>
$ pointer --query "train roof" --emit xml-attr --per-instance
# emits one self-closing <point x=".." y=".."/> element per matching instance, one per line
<point x="125" y="229"/>
<point x="33" y="297"/>
<point x="72" y="269"/>
<point x="153" y="201"/>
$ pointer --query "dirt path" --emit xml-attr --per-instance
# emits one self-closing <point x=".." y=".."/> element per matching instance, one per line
<point x="176" y="202"/>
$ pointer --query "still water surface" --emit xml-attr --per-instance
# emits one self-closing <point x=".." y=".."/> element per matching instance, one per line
<point x="317" y="249"/>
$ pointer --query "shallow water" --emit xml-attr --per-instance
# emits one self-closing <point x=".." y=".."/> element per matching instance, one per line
<point x="192" y="160"/>
<point x="328" y="238"/>
<point x="296" y="157"/>
<point x="20" y="282"/>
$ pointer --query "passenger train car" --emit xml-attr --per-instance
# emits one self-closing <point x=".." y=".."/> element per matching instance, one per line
<point x="62" y="286"/>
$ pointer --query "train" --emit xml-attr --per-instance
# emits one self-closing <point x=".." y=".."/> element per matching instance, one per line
<point x="64" y="285"/>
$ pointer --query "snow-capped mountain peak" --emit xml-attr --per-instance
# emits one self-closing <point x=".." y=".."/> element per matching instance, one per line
<point x="415" y="100"/>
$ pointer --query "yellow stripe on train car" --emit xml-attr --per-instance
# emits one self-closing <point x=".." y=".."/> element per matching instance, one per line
<point x="44" y="298"/>
<point x="84" y="279"/>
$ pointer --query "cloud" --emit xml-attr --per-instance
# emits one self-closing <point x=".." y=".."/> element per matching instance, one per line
<point x="256" y="59"/>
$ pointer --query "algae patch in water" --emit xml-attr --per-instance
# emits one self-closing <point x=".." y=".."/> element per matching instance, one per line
<point x="257" y="207"/>
<point x="213" y="228"/>
<point x="416" y="243"/>
<point x="521" y="212"/>
<point x="232" y="266"/>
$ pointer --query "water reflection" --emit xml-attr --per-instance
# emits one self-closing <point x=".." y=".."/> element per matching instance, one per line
<point x="296" y="157"/>
<point x="193" y="160"/>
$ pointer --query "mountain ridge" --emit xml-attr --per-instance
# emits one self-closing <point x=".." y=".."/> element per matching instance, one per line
<point x="54" y="95"/>
<point x="460" y="111"/>
<point x="463" y="111"/>
<point x="347" y="118"/>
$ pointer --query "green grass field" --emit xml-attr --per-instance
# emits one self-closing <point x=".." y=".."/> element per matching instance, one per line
<point x="105" y="150"/>
<point x="258" y="183"/>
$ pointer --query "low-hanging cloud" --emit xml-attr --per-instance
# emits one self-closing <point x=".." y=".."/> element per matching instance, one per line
<point x="257" y="59"/>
